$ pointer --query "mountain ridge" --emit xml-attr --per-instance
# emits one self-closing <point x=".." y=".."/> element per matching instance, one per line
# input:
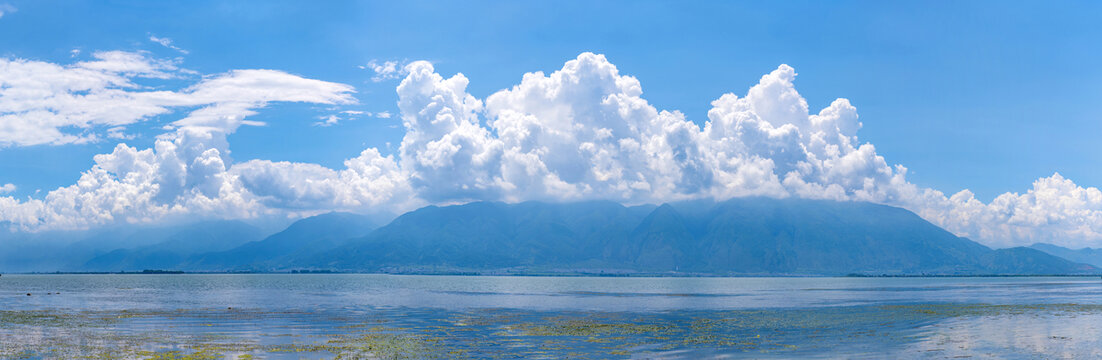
<point x="735" y="237"/>
<point x="1087" y="255"/>
<point x="306" y="235"/>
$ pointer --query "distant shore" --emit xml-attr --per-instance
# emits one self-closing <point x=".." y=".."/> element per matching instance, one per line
<point x="549" y="274"/>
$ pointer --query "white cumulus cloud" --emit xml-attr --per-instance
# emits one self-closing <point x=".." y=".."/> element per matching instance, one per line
<point x="385" y="70"/>
<point x="368" y="180"/>
<point x="581" y="132"/>
<point x="585" y="132"/>
<point x="188" y="171"/>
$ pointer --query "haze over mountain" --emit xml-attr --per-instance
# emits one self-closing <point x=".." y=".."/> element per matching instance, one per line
<point x="487" y="235"/>
<point x="741" y="236"/>
<point x="120" y="247"/>
<point x="1084" y="255"/>
<point x="177" y="247"/>
<point x="306" y="236"/>
<point x="738" y="236"/>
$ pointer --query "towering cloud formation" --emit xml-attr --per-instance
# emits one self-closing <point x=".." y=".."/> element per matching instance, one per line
<point x="582" y="132"/>
<point x="585" y="132"/>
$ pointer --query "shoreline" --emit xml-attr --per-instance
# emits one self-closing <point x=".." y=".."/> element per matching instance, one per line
<point x="542" y="274"/>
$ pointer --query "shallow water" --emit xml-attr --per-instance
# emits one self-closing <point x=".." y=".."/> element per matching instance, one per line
<point x="366" y="316"/>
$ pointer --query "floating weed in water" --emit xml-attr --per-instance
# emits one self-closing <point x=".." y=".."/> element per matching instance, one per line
<point x="32" y="318"/>
<point x="176" y="355"/>
<point x="588" y="327"/>
<point x="492" y="333"/>
<point x="372" y="345"/>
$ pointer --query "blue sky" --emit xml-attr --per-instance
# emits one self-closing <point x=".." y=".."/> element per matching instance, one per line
<point x="987" y="96"/>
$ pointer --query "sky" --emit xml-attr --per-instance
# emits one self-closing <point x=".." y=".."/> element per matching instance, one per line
<point x="979" y="116"/>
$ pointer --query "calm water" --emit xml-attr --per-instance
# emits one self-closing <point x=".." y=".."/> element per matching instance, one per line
<point x="384" y="316"/>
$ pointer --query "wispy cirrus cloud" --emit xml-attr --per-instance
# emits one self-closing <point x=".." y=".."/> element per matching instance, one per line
<point x="166" y="42"/>
<point x="44" y="103"/>
<point x="334" y="119"/>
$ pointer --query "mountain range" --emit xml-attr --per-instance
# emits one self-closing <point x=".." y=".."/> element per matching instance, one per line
<point x="1089" y="256"/>
<point x="120" y="247"/>
<point x="741" y="236"/>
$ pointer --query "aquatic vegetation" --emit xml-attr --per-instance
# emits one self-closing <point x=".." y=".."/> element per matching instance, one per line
<point x="39" y="318"/>
<point x="587" y="327"/>
<point x="485" y="333"/>
<point x="177" y="355"/>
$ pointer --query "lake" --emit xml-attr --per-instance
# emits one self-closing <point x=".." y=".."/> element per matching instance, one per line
<point x="349" y="316"/>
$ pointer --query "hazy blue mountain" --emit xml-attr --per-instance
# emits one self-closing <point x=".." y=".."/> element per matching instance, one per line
<point x="69" y="250"/>
<point x="487" y="235"/>
<point x="1023" y="261"/>
<point x="47" y="251"/>
<point x="171" y="247"/>
<point x="661" y="241"/>
<point x="742" y="236"/>
<point x="1084" y="255"/>
<point x="739" y="236"/>
<point x="307" y="236"/>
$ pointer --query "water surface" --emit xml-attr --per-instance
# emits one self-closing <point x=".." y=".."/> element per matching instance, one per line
<point x="387" y="316"/>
